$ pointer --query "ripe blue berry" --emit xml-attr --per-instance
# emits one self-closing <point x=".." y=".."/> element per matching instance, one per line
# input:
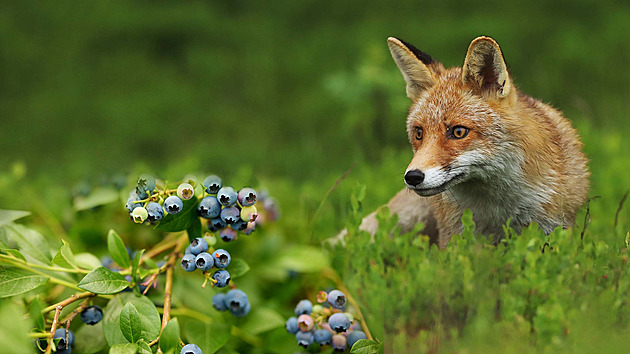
<point x="339" y="322"/>
<point x="91" y="315"/>
<point x="155" y="212"/>
<point x="191" y="349"/>
<point x="304" y="307"/>
<point x="305" y="339"/>
<point x="188" y="251"/>
<point x="236" y="300"/>
<point x="322" y="337"/>
<point x="218" y="301"/>
<point x="188" y="262"/>
<point x="198" y="245"/>
<point x="63" y="343"/>
<point x="139" y="215"/>
<point x="230" y="214"/>
<point x="222" y="277"/>
<point x="185" y="191"/>
<point x="246" y="196"/>
<point x="239" y="225"/>
<point x="305" y="323"/>
<point x="339" y="342"/>
<point x="355" y="336"/>
<point x="216" y="224"/>
<point x="209" y="207"/>
<point x="221" y="258"/>
<point x="173" y="204"/>
<point x="212" y="184"/>
<point x="242" y="312"/>
<point x="204" y="261"/>
<point x="228" y="234"/>
<point x="227" y="196"/>
<point x="132" y="203"/>
<point x="292" y="325"/>
<point x="337" y="299"/>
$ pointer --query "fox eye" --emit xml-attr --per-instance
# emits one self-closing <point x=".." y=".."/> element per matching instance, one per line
<point x="459" y="132"/>
<point x="418" y="133"/>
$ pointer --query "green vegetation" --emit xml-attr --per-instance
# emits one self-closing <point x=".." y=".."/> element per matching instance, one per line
<point x="290" y="96"/>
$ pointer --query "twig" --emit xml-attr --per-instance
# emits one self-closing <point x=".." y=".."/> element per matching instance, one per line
<point x="68" y="301"/>
<point x="623" y="200"/>
<point x="159" y="248"/>
<point x="53" y="328"/>
<point x="587" y="216"/>
<point x="75" y="312"/>
<point x="332" y="275"/>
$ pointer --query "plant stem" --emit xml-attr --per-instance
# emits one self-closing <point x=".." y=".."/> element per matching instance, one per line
<point x="68" y="301"/>
<point x="332" y="275"/>
<point x="4" y="257"/>
<point x="160" y="247"/>
<point x="26" y="266"/>
<point x="53" y="328"/>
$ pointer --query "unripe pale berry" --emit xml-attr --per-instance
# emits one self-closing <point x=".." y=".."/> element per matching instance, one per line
<point x="139" y="215"/>
<point x="185" y="191"/>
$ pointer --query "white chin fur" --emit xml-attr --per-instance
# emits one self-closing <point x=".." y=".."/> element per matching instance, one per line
<point x="436" y="180"/>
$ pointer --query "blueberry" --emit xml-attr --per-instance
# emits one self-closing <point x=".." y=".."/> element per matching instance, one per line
<point x="305" y="339"/>
<point x="230" y="214"/>
<point x="322" y="337"/>
<point x="246" y="196"/>
<point x="236" y="300"/>
<point x="339" y="342"/>
<point x="188" y="251"/>
<point x="139" y="215"/>
<point x="188" y="262"/>
<point x="146" y="184"/>
<point x="304" y="307"/>
<point x="61" y="334"/>
<point x="198" y="245"/>
<point x="242" y="312"/>
<point x="191" y="349"/>
<point x="292" y="325"/>
<point x="226" y="196"/>
<point x="222" y="277"/>
<point x="185" y="191"/>
<point x="173" y="204"/>
<point x="218" y="301"/>
<point x="212" y="184"/>
<point x="216" y="224"/>
<point x="337" y="299"/>
<point x="209" y="208"/>
<point x="221" y="258"/>
<point x="91" y="315"/>
<point x="228" y="234"/>
<point x="249" y="213"/>
<point x="240" y="225"/>
<point x="355" y="336"/>
<point x="305" y="323"/>
<point x="132" y="203"/>
<point x="204" y="261"/>
<point x="155" y="212"/>
<point x="339" y="322"/>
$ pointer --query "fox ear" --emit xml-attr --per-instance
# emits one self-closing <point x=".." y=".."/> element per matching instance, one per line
<point x="485" y="69"/>
<point x="413" y="65"/>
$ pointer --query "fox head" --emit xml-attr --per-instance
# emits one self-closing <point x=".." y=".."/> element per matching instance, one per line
<point x="456" y="122"/>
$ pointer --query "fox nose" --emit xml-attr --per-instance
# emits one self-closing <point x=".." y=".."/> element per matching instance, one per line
<point x="414" y="177"/>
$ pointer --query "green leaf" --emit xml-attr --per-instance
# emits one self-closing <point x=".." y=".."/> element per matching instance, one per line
<point x="238" y="267"/>
<point x="365" y="346"/>
<point x="103" y="281"/>
<point x="7" y="216"/>
<point x="35" y="312"/>
<point x="98" y="197"/>
<point x="64" y="257"/>
<point x="194" y="230"/>
<point x="261" y="320"/>
<point x="14" y="281"/>
<point x="15" y="253"/>
<point x="87" y="260"/>
<point x="89" y="339"/>
<point x="149" y="318"/>
<point x="30" y="242"/>
<point x="129" y="348"/>
<point x="169" y="340"/>
<point x="135" y="264"/>
<point x="130" y="323"/>
<point x="14" y="329"/>
<point x="143" y="347"/>
<point x="117" y="250"/>
<point x="209" y="337"/>
<point x="182" y="220"/>
<point x="303" y="259"/>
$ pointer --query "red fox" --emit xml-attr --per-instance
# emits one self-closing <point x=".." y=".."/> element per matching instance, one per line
<point x="480" y="144"/>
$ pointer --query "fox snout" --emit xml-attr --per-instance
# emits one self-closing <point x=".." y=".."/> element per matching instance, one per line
<point x="413" y="178"/>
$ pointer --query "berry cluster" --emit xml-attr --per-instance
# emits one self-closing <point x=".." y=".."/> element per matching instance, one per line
<point x="198" y="257"/>
<point x="325" y="323"/>
<point x="234" y="300"/>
